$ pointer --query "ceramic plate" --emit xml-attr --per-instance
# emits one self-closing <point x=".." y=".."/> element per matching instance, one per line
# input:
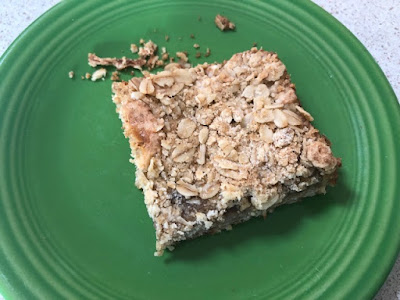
<point x="74" y="226"/>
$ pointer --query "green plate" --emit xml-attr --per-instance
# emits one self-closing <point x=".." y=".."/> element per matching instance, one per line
<point x="74" y="226"/>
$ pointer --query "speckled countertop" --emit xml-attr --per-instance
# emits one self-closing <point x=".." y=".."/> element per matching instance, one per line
<point x="375" y="23"/>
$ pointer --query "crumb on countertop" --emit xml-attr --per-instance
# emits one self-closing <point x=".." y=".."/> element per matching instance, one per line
<point x="196" y="46"/>
<point x="71" y="74"/>
<point x="208" y="52"/>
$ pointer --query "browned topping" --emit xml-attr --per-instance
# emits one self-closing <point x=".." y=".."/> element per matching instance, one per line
<point x="119" y="63"/>
<point x="218" y="136"/>
<point x="223" y="23"/>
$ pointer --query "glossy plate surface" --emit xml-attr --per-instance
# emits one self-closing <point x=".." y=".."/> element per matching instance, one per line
<point x="74" y="226"/>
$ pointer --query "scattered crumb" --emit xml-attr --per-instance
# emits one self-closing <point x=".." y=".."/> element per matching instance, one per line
<point x="159" y="63"/>
<point x="182" y="55"/>
<point x="88" y="75"/>
<point x="171" y="59"/>
<point x="99" y="74"/>
<point x="119" y="63"/>
<point x="151" y="62"/>
<point x="115" y="76"/>
<point x="198" y="54"/>
<point x="71" y="74"/>
<point x="148" y="49"/>
<point x="134" y="48"/>
<point x="132" y="73"/>
<point x="192" y="36"/>
<point x="208" y="52"/>
<point x="82" y="77"/>
<point x="141" y="41"/>
<point x="254" y="44"/>
<point x="167" y="38"/>
<point x="163" y="50"/>
<point x="196" y="46"/>
<point x="223" y="23"/>
<point x="164" y="56"/>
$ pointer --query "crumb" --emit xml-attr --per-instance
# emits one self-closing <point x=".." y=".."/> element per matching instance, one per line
<point x="148" y="49"/>
<point x="88" y="75"/>
<point x="163" y="50"/>
<point x="132" y="73"/>
<point x="115" y="76"/>
<point x="99" y="74"/>
<point x="198" y="54"/>
<point x="223" y="23"/>
<point x="192" y="36"/>
<point x="119" y="63"/>
<point x="71" y="74"/>
<point x="182" y="55"/>
<point x="171" y="59"/>
<point x="167" y="38"/>
<point x="164" y="56"/>
<point x="208" y="52"/>
<point x="134" y="48"/>
<point x="151" y="62"/>
<point x="196" y="46"/>
<point x="82" y="77"/>
<point x="254" y="44"/>
<point x="159" y="63"/>
<point x="141" y="41"/>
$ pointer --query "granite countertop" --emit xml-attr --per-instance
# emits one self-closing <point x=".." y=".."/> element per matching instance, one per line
<point x="375" y="23"/>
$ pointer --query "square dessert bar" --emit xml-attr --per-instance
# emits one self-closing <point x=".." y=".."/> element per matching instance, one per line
<point x="217" y="144"/>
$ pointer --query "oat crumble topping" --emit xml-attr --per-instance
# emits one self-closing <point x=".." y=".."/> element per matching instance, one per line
<point x="219" y="143"/>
